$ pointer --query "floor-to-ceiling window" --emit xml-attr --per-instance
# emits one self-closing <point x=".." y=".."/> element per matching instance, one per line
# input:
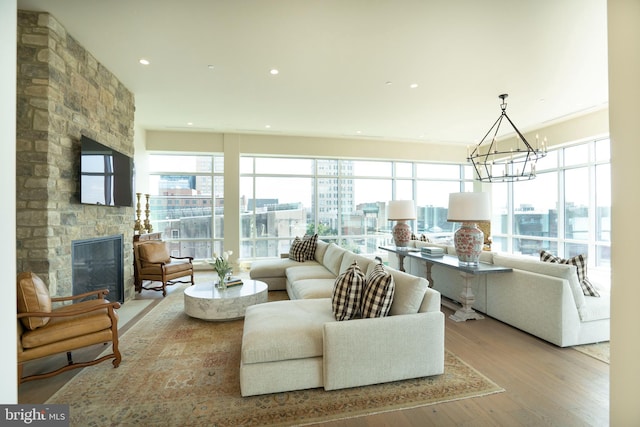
<point x="344" y="201"/>
<point x="566" y="209"/>
<point x="187" y="202"/>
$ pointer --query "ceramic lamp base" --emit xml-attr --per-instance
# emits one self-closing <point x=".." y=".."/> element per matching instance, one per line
<point x="401" y="234"/>
<point x="468" y="241"/>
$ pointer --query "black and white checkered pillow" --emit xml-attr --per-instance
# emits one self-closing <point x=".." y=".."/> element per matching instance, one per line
<point x="347" y="293"/>
<point x="310" y="244"/>
<point x="297" y="252"/>
<point x="303" y="249"/>
<point x="580" y="261"/>
<point x="378" y="293"/>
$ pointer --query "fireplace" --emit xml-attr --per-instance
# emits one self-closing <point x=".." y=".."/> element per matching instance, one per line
<point x="98" y="264"/>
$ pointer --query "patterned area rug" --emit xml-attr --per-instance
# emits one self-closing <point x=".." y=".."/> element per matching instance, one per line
<point x="598" y="351"/>
<point x="180" y="371"/>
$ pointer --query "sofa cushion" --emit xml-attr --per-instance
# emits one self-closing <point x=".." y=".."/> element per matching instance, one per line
<point x="580" y="262"/>
<point x="274" y="267"/>
<point x="378" y="293"/>
<point x="597" y="308"/>
<point x="363" y="262"/>
<point x="154" y="252"/>
<point x="347" y="293"/>
<point x="298" y="250"/>
<point x="321" y="248"/>
<point x="409" y="292"/>
<point x="306" y="271"/>
<point x="312" y="288"/>
<point x="285" y="330"/>
<point x="33" y="296"/>
<point x="333" y="258"/>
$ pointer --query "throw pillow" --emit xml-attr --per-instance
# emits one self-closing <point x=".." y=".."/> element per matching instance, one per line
<point x="378" y="293"/>
<point x="297" y="252"/>
<point x="311" y="242"/>
<point x="347" y="293"/>
<point x="33" y="296"/>
<point x="580" y="261"/>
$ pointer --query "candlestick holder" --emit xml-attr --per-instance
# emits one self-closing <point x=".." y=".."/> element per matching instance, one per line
<point x="147" y="223"/>
<point x="137" y="227"/>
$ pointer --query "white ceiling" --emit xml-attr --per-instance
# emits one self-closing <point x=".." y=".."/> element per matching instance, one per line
<point x="336" y="56"/>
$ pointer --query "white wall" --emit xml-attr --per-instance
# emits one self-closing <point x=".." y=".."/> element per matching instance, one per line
<point x="140" y="160"/>
<point x="8" y="44"/>
<point x="624" y="118"/>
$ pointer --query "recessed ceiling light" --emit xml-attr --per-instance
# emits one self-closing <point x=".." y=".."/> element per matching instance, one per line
<point x="267" y="126"/>
<point x="413" y="85"/>
<point x="388" y="83"/>
<point x="190" y="124"/>
<point x="274" y="72"/>
<point x="358" y="132"/>
<point x="211" y="67"/>
<point x="144" y="61"/>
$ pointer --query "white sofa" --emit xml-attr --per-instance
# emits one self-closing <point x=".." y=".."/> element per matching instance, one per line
<point x="543" y="299"/>
<point x="298" y="344"/>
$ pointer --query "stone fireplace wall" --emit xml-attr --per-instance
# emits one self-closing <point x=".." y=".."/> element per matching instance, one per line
<point x="63" y="92"/>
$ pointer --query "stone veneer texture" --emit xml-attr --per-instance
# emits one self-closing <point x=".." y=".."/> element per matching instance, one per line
<point x="63" y="92"/>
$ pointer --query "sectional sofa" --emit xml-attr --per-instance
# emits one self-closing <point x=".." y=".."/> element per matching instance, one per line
<point x="298" y="343"/>
<point x="541" y="298"/>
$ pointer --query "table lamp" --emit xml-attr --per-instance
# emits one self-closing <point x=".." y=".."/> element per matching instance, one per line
<point x="401" y="211"/>
<point x="468" y="209"/>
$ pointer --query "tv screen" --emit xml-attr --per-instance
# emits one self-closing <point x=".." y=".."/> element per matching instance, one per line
<point x="106" y="175"/>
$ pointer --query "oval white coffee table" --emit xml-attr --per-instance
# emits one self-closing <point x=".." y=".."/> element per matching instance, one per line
<point x="204" y="301"/>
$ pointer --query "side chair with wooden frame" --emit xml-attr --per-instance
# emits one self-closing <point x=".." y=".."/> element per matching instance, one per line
<point x="77" y="322"/>
<point x="154" y="264"/>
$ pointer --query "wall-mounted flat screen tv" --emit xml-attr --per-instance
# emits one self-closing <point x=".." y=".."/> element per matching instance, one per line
<point x="106" y="175"/>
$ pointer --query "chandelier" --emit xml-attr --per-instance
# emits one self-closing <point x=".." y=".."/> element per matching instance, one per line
<point x="503" y="162"/>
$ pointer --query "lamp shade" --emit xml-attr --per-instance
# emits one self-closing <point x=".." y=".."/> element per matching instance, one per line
<point x="469" y="207"/>
<point x="402" y="210"/>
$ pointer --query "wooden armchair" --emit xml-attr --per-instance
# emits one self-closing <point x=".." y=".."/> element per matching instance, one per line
<point x="153" y="263"/>
<point x="44" y="331"/>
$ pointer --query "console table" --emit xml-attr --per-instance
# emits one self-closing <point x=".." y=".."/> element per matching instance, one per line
<point x="466" y="271"/>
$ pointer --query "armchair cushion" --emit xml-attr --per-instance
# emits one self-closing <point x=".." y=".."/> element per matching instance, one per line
<point x="175" y="266"/>
<point x="33" y="296"/>
<point x="64" y="328"/>
<point x="154" y="252"/>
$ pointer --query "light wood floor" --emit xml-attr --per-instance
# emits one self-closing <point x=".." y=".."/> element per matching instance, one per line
<point x="545" y="385"/>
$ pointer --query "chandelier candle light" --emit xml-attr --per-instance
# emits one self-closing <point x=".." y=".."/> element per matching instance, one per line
<point x="505" y="163"/>
<point x="469" y="208"/>
<point x="401" y="211"/>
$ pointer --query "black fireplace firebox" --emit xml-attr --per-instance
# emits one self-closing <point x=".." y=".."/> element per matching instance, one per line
<point x="98" y="264"/>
